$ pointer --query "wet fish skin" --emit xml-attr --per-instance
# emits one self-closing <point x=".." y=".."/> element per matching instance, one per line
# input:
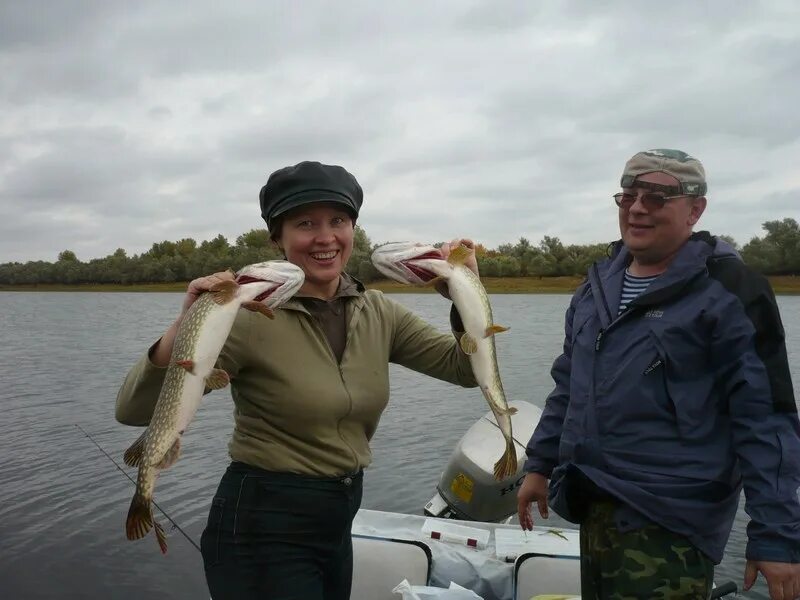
<point x="201" y="335"/>
<point x="422" y="264"/>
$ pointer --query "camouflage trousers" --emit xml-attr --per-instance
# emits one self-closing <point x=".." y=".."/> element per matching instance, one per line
<point x="649" y="563"/>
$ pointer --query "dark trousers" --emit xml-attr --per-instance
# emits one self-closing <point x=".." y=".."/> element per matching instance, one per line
<point x="280" y="536"/>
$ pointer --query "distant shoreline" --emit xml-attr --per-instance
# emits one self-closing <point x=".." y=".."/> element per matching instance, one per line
<point x="785" y="284"/>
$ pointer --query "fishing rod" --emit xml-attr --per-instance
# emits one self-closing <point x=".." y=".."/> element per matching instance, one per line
<point x="163" y="512"/>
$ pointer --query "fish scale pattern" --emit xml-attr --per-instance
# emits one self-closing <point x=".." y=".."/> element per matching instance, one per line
<point x="184" y="349"/>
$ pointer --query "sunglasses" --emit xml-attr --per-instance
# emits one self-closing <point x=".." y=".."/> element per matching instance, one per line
<point x="650" y="200"/>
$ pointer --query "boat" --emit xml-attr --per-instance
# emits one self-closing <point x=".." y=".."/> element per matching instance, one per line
<point x="464" y="543"/>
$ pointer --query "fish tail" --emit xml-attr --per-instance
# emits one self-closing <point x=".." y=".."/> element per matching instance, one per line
<point x="140" y="517"/>
<point x="507" y="465"/>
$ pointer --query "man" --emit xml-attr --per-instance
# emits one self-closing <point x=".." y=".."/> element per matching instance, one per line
<point x="672" y="392"/>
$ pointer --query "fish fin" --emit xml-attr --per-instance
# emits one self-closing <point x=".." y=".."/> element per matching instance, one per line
<point x="161" y="536"/>
<point x="433" y="281"/>
<point x="171" y="455"/>
<point x="507" y="465"/>
<point x="133" y="455"/>
<point x="458" y="255"/>
<point x="508" y="410"/>
<point x="492" y="329"/>
<point x="469" y="344"/>
<point x="259" y="307"/>
<point x="140" y="517"/>
<point x="217" y="379"/>
<point x="185" y="364"/>
<point x="224" y="291"/>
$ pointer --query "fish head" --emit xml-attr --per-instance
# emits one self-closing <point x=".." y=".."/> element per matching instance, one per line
<point x="410" y="262"/>
<point x="272" y="282"/>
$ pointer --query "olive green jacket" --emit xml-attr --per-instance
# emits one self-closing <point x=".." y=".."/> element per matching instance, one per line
<point x="296" y="408"/>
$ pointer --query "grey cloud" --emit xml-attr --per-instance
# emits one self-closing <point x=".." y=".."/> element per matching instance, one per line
<point x="18" y="229"/>
<point x="489" y="16"/>
<point x="709" y="77"/>
<point x="107" y="49"/>
<point x="125" y="124"/>
<point x="319" y="135"/>
<point x="344" y="124"/>
<point x="80" y="170"/>
<point x="30" y="234"/>
<point x="785" y="202"/>
<point x="90" y="166"/>
<point x="514" y="167"/>
<point x="44" y="23"/>
<point x="218" y="104"/>
<point x="86" y="76"/>
<point x="160" y="112"/>
<point x="61" y="49"/>
<point x="645" y="23"/>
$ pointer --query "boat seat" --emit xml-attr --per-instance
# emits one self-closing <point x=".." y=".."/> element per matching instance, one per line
<point x="542" y="575"/>
<point x="380" y="564"/>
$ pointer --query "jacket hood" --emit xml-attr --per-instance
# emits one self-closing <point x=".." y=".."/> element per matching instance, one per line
<point x="723" y="249"/>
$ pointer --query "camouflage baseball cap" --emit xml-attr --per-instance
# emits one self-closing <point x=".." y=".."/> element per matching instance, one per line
<point x="686" y="169"/>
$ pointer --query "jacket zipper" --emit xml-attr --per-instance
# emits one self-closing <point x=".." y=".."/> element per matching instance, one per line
<point x="602" y="292"/>
<point x="598" y="342"/>
<point x="338" y="364"/>
<point x="635" y="306"/>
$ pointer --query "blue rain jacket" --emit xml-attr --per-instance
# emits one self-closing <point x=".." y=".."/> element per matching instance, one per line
<point x="674" y="405"/>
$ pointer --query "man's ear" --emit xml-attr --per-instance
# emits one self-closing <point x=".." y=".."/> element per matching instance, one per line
<point x="698" y="207"/>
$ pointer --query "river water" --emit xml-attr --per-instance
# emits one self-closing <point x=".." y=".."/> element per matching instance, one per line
<point x="63" y="504"/>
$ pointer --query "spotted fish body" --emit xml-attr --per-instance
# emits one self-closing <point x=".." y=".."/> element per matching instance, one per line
<point x="198" y="342"/>
<point x="421" y="264"/>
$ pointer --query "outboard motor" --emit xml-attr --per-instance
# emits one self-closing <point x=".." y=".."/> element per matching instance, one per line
<point x="467" y="489"/>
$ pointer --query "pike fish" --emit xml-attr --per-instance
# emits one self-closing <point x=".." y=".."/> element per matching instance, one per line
<point x="260" y="287"/>
<point x="422" y="264"/>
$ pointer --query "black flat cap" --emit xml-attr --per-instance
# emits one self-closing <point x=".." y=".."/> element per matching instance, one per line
<point x="308" y="182"/>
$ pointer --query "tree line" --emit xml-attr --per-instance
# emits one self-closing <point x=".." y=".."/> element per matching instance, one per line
<point x="776" y="253"/>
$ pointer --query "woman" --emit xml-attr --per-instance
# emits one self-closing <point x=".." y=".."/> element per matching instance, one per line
<point x="309" y="388"/>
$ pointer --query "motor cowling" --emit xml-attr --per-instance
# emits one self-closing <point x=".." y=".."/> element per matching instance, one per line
<point x="467" y="489"/>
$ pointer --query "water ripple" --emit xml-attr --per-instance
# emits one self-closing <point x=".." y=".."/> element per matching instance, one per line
<point x="63" y="504"/>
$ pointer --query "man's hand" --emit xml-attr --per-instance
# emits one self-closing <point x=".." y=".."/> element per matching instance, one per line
<point x="471" y="263"/>
<point x="783" y="579"/>
<point x="533" y="489"/>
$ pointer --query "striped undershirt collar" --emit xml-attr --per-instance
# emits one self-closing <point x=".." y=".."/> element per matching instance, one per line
<point x="633" y="286"/>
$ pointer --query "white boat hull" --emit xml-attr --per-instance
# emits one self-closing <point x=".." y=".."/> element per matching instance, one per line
<point x="487" y="568"/>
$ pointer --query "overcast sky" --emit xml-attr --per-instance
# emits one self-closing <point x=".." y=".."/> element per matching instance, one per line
<point x="127" y="123"/>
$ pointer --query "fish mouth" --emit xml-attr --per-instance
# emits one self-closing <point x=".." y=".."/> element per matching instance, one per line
<point x="422" y="273"/>
<point x="264" y="295"/>
<point x="244" y="279"/>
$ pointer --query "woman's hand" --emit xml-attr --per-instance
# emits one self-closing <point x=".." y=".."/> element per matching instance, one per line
<point x="161" y="351"/>
<point x="201" y="285"/>
<point x="471" y="262"/>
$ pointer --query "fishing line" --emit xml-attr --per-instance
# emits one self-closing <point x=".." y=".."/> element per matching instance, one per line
<point x="163" y="512"/>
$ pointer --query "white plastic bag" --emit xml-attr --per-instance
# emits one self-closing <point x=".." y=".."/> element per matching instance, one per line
<point x="424" y="592"/>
